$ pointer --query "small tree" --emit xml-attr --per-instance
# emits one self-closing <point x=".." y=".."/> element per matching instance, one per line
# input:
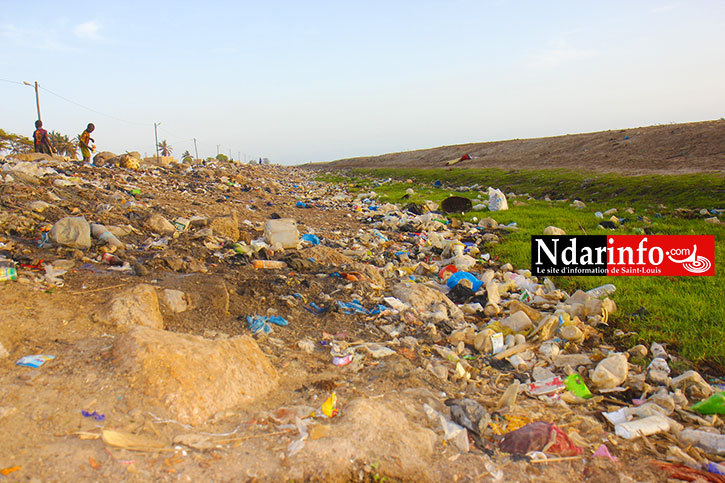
<point x="186" y="157"/>
<point x="165" y="148"/>
<point x="222" y="157"/>
<point x="63" y="145"/>
<point x="15" y="143"/>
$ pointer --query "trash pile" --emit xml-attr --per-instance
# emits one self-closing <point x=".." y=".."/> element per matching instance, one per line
<point x="359" y="298"/>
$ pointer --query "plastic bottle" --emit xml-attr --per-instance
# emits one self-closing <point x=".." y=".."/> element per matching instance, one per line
<point x="268" y="264"/>
<point x="602" y="291"/>
<point x="103" y="234"/>
<point x="283" y="232"/>
<point x="111" y="259"/>
<point x="710" y="442"/>
<point x="456" y="278"/>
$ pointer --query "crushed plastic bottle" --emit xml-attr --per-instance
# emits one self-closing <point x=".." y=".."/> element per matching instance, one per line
<point x="602" y="291"/>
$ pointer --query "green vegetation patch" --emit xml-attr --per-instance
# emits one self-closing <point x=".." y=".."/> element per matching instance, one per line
<point x="688" y="313"/>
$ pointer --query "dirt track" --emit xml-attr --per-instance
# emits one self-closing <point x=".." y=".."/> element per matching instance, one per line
<point x="674" y="148"/>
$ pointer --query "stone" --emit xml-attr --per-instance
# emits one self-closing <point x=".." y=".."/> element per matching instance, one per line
<point x="72" y="231"/>
<point x="552" y="230"/>
<point x="610" y="372"/>
<point x="159" y="224"/>
<point x="102" y="157"/>
<point x="175" y="300"/>
<point x="138" y="305"/>
<point x="518" y="322"/>
<point x="192" y="377"/>
<point x="226" y="226"/>
<point x="39" y="206"/>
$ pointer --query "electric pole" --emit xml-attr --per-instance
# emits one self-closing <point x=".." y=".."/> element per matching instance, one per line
<point x="217" y="149"/>
<point x="37" y="99"/>
<point x="156" y="135"/>
<point x="195" y="150"/>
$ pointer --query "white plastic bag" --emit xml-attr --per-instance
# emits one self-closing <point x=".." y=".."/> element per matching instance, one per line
<point x="497" y="200"/>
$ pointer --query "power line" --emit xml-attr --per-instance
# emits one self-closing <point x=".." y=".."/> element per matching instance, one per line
<point x="11" y="81"/>
<point x="93" y="110"/>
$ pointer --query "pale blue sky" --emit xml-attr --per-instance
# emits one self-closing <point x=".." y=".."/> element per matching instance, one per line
<point x="317" y="81"/>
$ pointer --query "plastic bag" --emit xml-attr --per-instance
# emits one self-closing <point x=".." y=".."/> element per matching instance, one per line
<point x="497" y="200"/>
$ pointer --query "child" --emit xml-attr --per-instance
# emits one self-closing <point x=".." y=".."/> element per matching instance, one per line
<point x="85" y="140"/>
<point x="41" y="141"/>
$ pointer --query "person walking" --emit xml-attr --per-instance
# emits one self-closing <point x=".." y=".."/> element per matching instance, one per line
<point x="85" y="140"/>
<point x="41" y="141"/>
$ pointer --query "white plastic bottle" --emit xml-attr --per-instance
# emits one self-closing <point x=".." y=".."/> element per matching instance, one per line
<point x="602" y="291"/>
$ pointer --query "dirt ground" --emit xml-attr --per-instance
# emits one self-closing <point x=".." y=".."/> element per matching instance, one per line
<point x="697" y="147"/>
<point x="381" y="433"/>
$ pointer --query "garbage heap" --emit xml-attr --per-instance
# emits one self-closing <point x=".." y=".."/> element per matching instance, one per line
<point x="512" y="366"/>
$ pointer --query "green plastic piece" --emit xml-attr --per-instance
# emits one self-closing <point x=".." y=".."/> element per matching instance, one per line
<point x="715" y="404"/>
<point x="575" y="384"/>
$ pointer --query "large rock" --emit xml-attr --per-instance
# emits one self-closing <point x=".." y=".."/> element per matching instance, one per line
<point x="431" y="305"/>
<point x="159" y="224"/>
<point x="175" y="300"/>
<point x="72" y="231"/>
<point x="103" y="157"/>
<point x="136" y="306"/>
<point x="371" y="430"/>
<point x="194" y="377"/>
<point x="226" y="226"/>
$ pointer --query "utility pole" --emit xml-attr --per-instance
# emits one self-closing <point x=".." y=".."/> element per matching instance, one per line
<point x="217" y="149"/>
<point x="37" y="99"/>
<point x="156" y="135"/>
<point x="230" y="155"/>
<point x="195" y="150"/>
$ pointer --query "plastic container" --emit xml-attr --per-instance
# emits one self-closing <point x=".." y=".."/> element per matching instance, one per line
<point x="456" y="278"/>
<point x="602" y="291"/>
<point x="268" y="264"/>
<point x="282" y="232"/>
<point x="8" y="273"/>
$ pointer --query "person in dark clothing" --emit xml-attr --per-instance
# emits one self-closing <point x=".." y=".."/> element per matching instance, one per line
<point x="41" y="141"/>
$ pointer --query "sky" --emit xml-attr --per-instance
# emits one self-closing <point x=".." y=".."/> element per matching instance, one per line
<point x="316" y="81"/>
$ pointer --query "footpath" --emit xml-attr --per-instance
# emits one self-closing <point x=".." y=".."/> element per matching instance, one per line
<point x="245" y="322"/>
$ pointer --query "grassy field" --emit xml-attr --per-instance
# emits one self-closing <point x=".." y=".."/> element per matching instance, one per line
<point x="688" y="313"/>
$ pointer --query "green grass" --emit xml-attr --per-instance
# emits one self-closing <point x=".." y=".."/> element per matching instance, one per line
<point x="688" y="313"/>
